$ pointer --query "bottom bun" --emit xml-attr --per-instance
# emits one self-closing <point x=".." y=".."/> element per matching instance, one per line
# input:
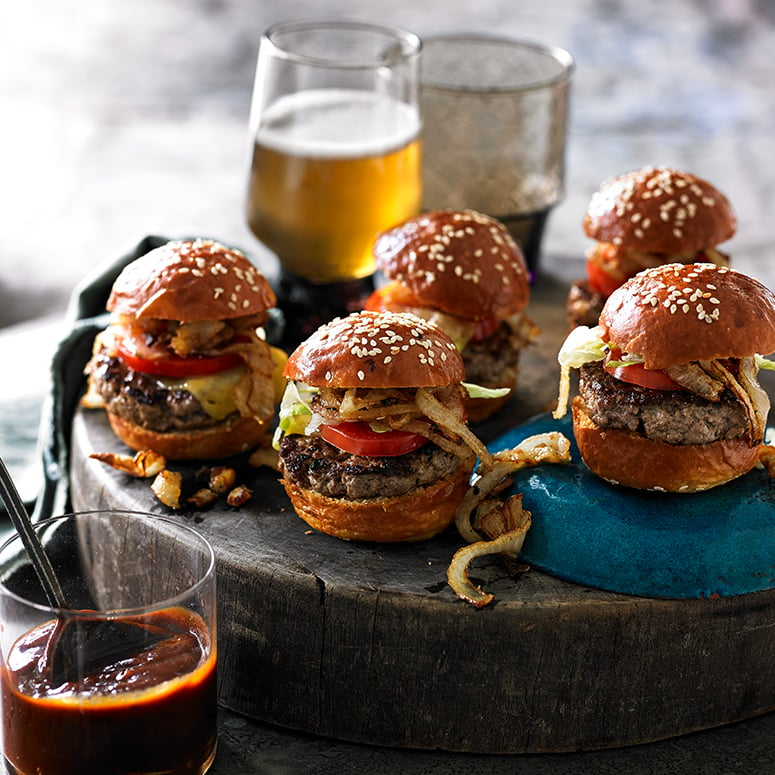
<point x="224" y="440"/>
<point x="420" y="514"/>
<point x="631" y="460"/>
<point x="479" y="409"/>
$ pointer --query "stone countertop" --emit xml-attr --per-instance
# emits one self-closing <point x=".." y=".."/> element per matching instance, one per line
<point x="127" y="119"/>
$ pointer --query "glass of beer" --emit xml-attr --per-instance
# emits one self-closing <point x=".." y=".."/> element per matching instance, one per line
<point x="335" y="133"/>
<point x="495" y="116"/>
<point x="124" y="680"/>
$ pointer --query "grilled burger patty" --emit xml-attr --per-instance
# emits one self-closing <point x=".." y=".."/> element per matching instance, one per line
<point x="314" y="464"/>
<point x="145" y="400"/>
<point x="584" y="305"/>
<point x="487" y="360"/>
<point x="672" y="416"/>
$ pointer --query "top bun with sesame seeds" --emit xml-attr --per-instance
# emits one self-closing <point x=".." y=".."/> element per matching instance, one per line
<point x="376" y="350"/>
<point x="372" y="437"/>
<point x="184" y="368"/>
<point x="461" y="262"/>
<point x="668" y="392"/>
<point x="189" y="281"/>
<point x="660" y="210"/>
<point x="461" y="270"/>
<point x="677" y="313"/>
<point x="646" y="218"/>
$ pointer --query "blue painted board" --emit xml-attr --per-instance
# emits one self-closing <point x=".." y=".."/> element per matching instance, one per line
<point x="720" y="542"/>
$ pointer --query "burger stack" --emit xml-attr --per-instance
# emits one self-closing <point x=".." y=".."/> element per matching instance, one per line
<point x="643" y="219"/>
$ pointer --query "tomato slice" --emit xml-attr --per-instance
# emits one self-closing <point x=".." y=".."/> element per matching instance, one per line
<point x="175" y="366"/>
<point x="484" y="328"/>
<point x="638" y="374"/>
<point x="392" y="297"/>
<point x="358" y="438"/>
<point x="600" y="280"/>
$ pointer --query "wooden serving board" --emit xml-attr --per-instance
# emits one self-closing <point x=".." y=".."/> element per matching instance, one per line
<point x="367" y="643"/>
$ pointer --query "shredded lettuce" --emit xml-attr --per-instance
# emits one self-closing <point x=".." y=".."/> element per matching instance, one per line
<point x="478" y="391"/>
<point x="295" y="412"/>
<point x="764" y="363"/>
<point x="582" y="345"/>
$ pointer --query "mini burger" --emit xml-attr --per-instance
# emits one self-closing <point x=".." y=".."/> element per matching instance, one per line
<point x="643" y="219"/>
<point x="372" y="437"/>
<point x="183" y="367"/>
<point x="462" y="271"/>
<point x="668" y="392"/>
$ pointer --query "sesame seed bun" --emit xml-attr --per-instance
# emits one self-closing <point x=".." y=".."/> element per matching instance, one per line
<point x="376" y="350"/>
<point x="458" y="261"/>
<point x="660" y="210"/>
<point x="419" y="514"/>
<point x="631" y="460"/>
<point x="677" y="313"/>
<point x="190" y="281"/>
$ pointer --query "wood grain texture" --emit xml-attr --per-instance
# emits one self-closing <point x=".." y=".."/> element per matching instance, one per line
<point x="367" y="643"/>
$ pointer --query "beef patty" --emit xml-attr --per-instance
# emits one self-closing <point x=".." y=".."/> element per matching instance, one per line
<point x="145" y="400"/>
<point x="490" y="360"/>
<point x="583" y="306"/>
<point x="672" y="416"/>
<point x="314" y="464"/>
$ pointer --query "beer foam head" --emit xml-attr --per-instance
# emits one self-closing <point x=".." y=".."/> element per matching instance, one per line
<point x="338" y="123"/>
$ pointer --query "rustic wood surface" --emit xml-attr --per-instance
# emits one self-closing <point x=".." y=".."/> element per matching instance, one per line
<point x="367" y="643"/>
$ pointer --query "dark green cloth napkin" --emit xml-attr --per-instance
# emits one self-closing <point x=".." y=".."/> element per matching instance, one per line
<point x="86" y="316"/>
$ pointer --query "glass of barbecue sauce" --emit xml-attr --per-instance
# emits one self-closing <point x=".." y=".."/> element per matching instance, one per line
<point x="124" y="679"/>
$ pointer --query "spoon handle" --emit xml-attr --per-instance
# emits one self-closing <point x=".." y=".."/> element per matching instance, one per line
<point x="23" y="524"/>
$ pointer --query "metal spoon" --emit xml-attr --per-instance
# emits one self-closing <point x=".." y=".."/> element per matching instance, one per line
<point x="80" y="643"/>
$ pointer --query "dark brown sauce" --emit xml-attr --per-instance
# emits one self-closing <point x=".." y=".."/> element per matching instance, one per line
<point x="149" y="712"/>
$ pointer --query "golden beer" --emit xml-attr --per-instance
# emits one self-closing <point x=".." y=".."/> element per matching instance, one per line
<point x="332" y="168"/>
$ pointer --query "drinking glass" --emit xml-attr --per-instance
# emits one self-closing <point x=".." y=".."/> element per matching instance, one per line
<point x="495" y="114"/>
<point x="138" y="695"/>
<point x="335" y="133"/>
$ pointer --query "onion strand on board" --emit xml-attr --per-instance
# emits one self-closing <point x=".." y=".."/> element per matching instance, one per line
<point x="552" y="447"/>
<point x="504" y="524"/>
<point x="515" y="522"/>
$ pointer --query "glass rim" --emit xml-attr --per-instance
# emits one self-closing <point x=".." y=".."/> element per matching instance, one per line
<point x="411" y="43"/>
<point x="560" y="55"/>
<point x="113" y="612"/>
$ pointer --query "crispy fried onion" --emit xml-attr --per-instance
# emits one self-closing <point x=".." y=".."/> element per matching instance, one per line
<point x="505" y="524"/>
<point x="746" y="390"/>
<point x="404" y="409"/>
<point x="254" y="393"/>
<point x="432" y="408"/>
<point x="694" y="378"/>
<point x="767" y="459"/>
<point x="143" y="464"/>
<point x="204" y="336"/>
<point x="550" y="447"/>
<point x="523" y="330"/>
<point x="167" y="487"/>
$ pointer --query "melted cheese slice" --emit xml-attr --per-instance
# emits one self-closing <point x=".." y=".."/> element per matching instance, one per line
<point x="215" y="392"/>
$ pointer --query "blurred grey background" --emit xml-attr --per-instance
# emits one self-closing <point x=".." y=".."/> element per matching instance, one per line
<point x="121" y="119"/>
